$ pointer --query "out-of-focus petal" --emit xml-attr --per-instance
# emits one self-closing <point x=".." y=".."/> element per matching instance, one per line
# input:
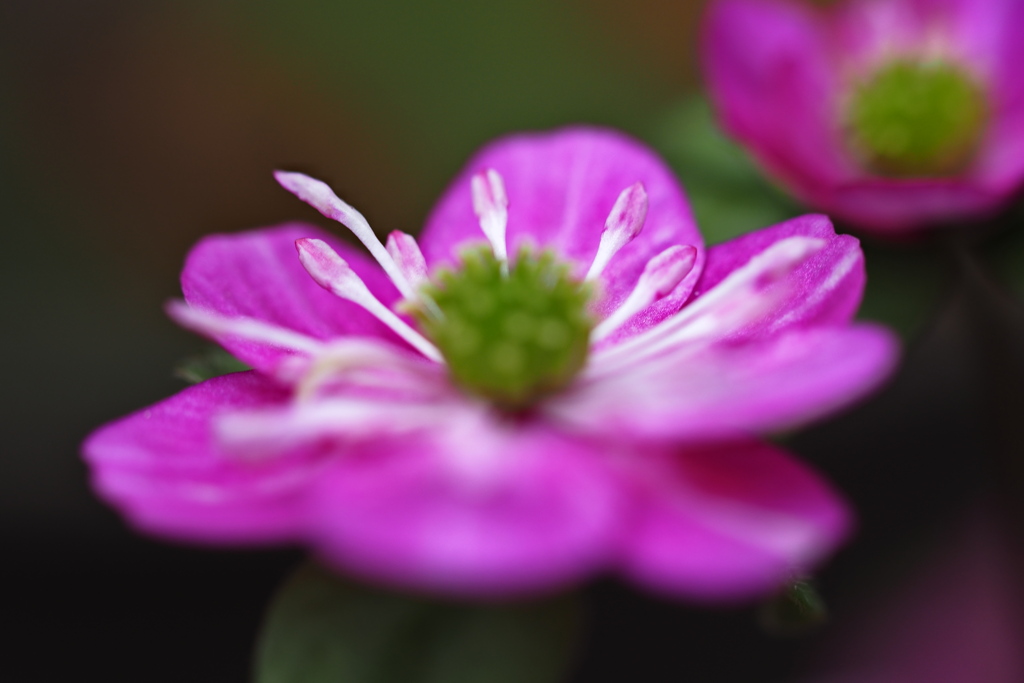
<point x="163" y="468"/>
<point x="902" y="204"/>
<point x="729" y="522"/>
<point x="475" y="509"/>
<point x="768" y="68"/>
<point x="825" y="289"/>
<point x="730" y="390"/>
<point x="561" y="187"/>
<point x="257" y="274"/>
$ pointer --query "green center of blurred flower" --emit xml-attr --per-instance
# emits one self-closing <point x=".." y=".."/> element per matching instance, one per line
<point x="917" y="118"/>
<point x="512" y="337"/>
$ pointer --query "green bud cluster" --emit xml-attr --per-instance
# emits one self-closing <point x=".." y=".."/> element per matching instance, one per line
<point x="917" y="118"/>
<point x="508" y="337"/>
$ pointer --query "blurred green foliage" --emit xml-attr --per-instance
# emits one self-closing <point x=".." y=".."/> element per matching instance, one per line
<point x="213" y="362"/>
<point x="324" y="629"/>
<point x="728" y="193"/>
<point x="796" y="611"/>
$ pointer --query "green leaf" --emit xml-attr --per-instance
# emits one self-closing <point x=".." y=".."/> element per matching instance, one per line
<point x="213" y="362"/>
<point x="323" y="629"/>
<point x="796" y="611"/>
<point x="728" y="193"/>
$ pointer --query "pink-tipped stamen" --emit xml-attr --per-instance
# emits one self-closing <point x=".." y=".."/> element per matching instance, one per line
<point x="625" y="222"/>
<point x="215" y="325"/>
<point x="661" y="275"/>
<point x="407" y="255"/>
<point x="490" y="203"/>
<point x="321" y="197"/>
<point x="740" y="298"/>
<point x="332" y="273"/>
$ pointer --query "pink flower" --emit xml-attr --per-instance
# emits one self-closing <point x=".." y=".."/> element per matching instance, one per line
<point x="465" y="422"/>
<point x="890" y="114"/>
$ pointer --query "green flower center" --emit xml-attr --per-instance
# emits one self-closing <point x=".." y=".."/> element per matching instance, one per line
<point x="917" y="118"/>
<point x="512" y="337"/>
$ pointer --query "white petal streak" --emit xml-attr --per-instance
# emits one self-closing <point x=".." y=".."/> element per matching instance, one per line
<point x="260" y="434"/>
<point x="321" y="197"/>
<point x="216" y="325"/>
<point x="745" y="295"/>
<point x="332" y="273"/>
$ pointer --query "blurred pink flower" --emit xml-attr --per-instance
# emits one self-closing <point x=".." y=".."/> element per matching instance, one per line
<point x="890" y="114"/>
<point x="396" y="458"/>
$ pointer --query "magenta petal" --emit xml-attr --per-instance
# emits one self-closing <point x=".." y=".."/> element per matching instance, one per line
<point x="257" y="274"/>
<point x="733" y="390"/>
<point x="561" y="187"/>
<point x="729" y="522"/>
<point x="767" y="66"/>
<point x="826" y="289"/>
<point x="499" y="512"/>
<point x="163" y="469"/>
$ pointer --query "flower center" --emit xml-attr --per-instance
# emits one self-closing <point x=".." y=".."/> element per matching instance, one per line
<point x="511" y="333"/>
<point x="917" y="118"/>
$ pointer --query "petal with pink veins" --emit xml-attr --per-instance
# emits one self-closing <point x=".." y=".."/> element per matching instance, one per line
<point x="825" y="289"/>
<point x="730" y="390"/>
<point x="257" y="275"/>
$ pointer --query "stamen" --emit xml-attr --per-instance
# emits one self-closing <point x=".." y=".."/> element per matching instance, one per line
<point x="366" y="363"/>
<point x="214" y="325"/>
<point x="259" y="434"/>
<point x="332" y="273"/>
<point x="407" y="255"/>
<point x="661" y="275"/>
<point x="625" y="222"/>
<point x="734" y="301"/>
<point x="319" y="195"/>
<point x="490" y="203"/>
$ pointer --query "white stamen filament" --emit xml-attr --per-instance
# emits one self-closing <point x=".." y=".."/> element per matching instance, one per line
<point x="319" y="195"/>
<point x="734" y="301"/>
<point x="490" y="203"/>
<point x="216" y="324"/>
<point x="366" y="363"/>
<point x="661" y="275"/>
<point x="332" y="273"/>
<point x="625" y="222"/>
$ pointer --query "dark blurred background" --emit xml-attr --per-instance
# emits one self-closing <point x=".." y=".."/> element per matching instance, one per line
<point x="130" y="129"/>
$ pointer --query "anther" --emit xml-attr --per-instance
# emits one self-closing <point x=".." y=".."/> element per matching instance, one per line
<point x="661" y="275"/>
<point x="490" y="203"/>
<point x="407" y="255"/>
<point x="319" y="195"/>
<point x="625" y="222"/>
<point x="332" y="273"/>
